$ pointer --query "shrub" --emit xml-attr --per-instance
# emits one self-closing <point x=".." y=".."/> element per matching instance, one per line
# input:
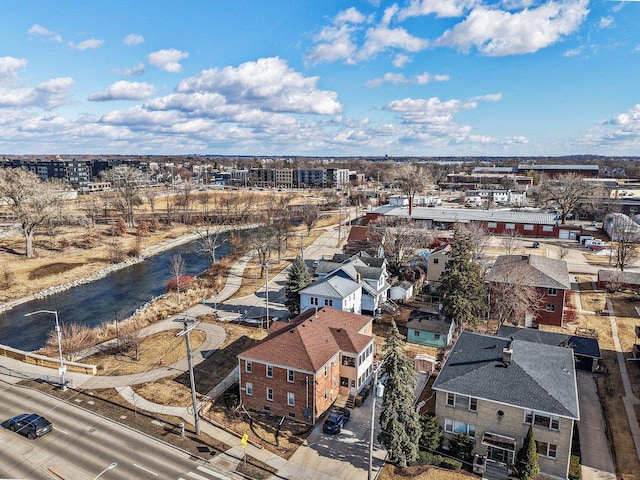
<point x="7" y="277"/>
<point x="440" y="461"/>
<point x="120" y="228"/>
<point x="574" y="467"/>
<point x="461" y="446"/>
<point x="142" y="229"/>
<point x="185" y="280"/>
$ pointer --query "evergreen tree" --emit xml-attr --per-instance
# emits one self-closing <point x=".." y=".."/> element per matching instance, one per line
<point x="297" y="279"/>
<point x="461" y="446"/>
<point x="461" y="283"/>
<point x="432" y="432"/>
<point x="527" y="465"/>
<point x="399" y="422"/>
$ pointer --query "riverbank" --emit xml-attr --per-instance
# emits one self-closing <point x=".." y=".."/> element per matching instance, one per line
<point x="162" y="246"/>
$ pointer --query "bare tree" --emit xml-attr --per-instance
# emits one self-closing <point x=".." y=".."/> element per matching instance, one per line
<point x="262" y="241"/>
<point x="7" y="277"/>
<point x="32" y="203"/>
<point x="115" y="248"/>
<point x="562" y="252"/>
<point x="510" y="241"/>
<point x="185" y="201"/>
<point x="150" y="194"/>
<point x="310" y="214"/>
<point x="478" y="234"/>
<point x="566" y="192"/>
<point x="177" y="270"/>
<point x="511" y="298"/>
<point x="210" y="239"/>
<point x="411" y="180"/>
<point x="76" y="338"/>
<point x="126" y="182"/>
<point x="401" y="239"/>
<point x="626" y="234"/>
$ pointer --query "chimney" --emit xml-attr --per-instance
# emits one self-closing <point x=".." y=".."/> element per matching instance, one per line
<point x="507" y="353"/>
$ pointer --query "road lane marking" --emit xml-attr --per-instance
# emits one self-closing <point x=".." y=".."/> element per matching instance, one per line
<point x="148" y="471"/>
<point x="60" y="430"/>
<point x="211" y="472"/>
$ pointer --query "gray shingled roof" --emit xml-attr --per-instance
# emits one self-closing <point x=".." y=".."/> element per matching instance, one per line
<point x="586" y="346"/>
<point x="334" y="287"/>
<point x="540" y="377"/>
<point x="627" y="278"/>
<point x="452" y="215"/>
<point x="536" y="271"/>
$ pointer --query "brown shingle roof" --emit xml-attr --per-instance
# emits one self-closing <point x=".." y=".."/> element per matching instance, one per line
<point x="311" y="339"/>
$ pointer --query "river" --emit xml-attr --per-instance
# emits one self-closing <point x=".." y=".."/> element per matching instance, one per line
<point x="120" y="292"/>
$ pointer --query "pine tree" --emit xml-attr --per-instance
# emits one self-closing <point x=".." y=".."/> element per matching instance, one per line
<point x="527" y="465"/>
<point x="461" y="283"/>
<point x="399" y="422"/>
<point x="432" y="432"/>
<point x="297" y="279"/>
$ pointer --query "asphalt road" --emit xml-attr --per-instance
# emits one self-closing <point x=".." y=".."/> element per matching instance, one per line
<point x="82" y="445"/>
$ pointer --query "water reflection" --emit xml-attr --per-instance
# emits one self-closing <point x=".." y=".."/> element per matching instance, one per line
<point x="93" y="303"/>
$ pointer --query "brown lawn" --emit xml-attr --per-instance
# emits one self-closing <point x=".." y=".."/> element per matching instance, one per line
<point x="162" y="348"/>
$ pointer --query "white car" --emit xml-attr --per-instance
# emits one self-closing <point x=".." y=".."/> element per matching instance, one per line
<point x="316" y="263"/>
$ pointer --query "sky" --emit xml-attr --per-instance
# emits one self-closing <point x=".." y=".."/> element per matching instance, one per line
<point x="326" y="78"/>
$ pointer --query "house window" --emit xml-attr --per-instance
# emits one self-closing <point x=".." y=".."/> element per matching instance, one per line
<point x="436" y="261"/>
<point x="348" y="361"/>
<point x="270" y="394"/>
<point x="291" y="399"/>
<point x="436" y="336"/>
<point x="542" y="420"/>
<point x="326" y="392"/>
<point x="462" y="402"/>
<point x="547" y="228"/>
<point x="247" y="367"/>
<point x="249" y="388"/>
<point x="313" y="300"/>
<point x="528" y="227"/>
<point x="552" y="292"/>
<point x="546" y="449"/>
<point x="492" y="225"/>
<point x="328" y="302"/>
<point x="270" y="371"/>
<point x="416" y="333"/>
<point x="510" y="226"/>
<point x="326" y="371"/>
<point x="290" y="376"/>
<point x="455" y="426"/>
<point x="550" y="307"/>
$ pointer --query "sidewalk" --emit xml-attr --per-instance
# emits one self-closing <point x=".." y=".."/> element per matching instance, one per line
<point x="325" y="244"/>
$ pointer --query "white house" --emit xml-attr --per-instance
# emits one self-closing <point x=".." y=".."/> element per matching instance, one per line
<point x="336" y="292"/>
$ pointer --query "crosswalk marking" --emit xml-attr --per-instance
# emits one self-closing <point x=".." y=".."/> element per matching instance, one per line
<point x="212" y="473"/>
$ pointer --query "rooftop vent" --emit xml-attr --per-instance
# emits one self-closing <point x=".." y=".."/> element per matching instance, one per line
<point x="507" y="354"/>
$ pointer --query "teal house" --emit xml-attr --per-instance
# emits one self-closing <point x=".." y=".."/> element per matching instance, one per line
<point x="430" y="329"/>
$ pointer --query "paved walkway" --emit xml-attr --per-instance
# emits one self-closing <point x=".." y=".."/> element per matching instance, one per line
<point x="215" y="335"/>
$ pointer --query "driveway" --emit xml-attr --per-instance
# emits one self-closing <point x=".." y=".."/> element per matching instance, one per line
<point x="597" y="462"/>
<point x="345" y="455"/>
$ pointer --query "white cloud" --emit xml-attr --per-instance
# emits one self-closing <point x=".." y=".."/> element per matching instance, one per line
<point x="398" y="78"/>
<point x="350" y="15"/>
<point x="124" y="90"/>
<point x="9" y="67"/>
<point x="490" y="97"/>
<point x="133" y="39"/>
<point x="497" y="33"/>
<point x="620" y="133"/>
<point x="47" y="95"/>
<point x="574" y="52"/>
<point x="39" y="30"/>
<point x="606" y="22"/>
<point x="381" y="38"/>
<point x="135" y="71"/>
<point x="440" y="8"/>
<point x="431" y="110"/>
<point x="86" y="44"/>
<point x="400" y="60"/>
<point x="167" y="60"/>
<point x="267" y="84"/>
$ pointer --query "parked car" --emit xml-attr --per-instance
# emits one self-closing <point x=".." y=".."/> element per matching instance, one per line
<point x="30" y="425"/>
<point x="336" y="420"/>
<point x="536" y="245"/>
<point x="316" y="263"/>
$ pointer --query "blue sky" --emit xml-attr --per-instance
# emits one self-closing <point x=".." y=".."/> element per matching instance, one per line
<point x="326" y="78"/>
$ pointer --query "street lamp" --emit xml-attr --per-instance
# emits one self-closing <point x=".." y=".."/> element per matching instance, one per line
<point x="63" y="368"/>
<point x="109" y="467"/>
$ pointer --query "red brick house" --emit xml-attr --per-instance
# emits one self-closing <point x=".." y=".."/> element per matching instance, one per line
<point x="549" y="276"/>
<point x="302" y="366"/>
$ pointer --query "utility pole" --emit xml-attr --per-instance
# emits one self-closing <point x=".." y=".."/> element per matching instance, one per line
<point x="373" y="419"/>
<point x="188" y="326"/>
<point x="340" y="223"/>
<point x="266" y="291"/>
